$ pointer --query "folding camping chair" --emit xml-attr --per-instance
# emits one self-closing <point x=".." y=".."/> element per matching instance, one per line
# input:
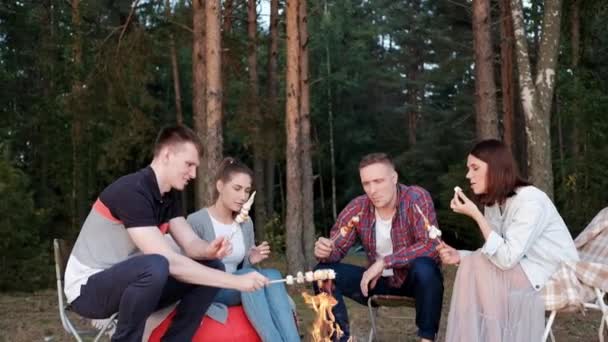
<point x="375" y="301"/>
<point x="62" y="253"/>
<point x="582" y="284"/>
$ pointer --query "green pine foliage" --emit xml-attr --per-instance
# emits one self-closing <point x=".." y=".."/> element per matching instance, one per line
<point x="370" y="47"/>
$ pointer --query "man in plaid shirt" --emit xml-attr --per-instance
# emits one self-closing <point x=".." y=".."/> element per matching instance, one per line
<point x="402" y="259"/>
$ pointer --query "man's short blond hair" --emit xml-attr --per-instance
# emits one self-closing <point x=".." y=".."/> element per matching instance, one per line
<point x="376" y="158"/>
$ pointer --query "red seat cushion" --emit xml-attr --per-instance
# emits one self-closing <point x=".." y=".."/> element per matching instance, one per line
<point x="236" y="329"/>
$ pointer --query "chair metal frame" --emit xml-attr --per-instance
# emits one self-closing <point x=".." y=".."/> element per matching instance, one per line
<point x="598" y="304"/>
<point x="64" y="307"/>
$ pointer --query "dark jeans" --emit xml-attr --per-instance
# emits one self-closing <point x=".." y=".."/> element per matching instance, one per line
<point x="424" y="282"/>
<point x="139" y="286"/>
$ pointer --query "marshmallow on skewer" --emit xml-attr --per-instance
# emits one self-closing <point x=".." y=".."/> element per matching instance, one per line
<point x="300" y="277"/>
<point x="331" y="274"/>
<point x="344" y="230"/>
<point x="433" y="231"/>
<point x="244" y="213"/>
<point x="310" y="276"/>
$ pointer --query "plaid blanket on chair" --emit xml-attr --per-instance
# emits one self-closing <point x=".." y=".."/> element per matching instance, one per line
<point x="574" y="283"/>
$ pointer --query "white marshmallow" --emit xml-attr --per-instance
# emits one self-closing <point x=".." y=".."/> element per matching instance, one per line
<point x="331" y="274"/>
<point x="300" y="277"/>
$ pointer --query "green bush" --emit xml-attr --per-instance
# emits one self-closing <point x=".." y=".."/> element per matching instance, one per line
<point x="24" y="257"/>
<point x="275" y="234"/>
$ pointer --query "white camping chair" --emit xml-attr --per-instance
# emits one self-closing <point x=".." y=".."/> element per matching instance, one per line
<point x="62" y="253"/>
<point x="583" y="284"/>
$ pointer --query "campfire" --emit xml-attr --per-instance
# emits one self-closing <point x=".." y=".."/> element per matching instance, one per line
<point x="324" y="327"/>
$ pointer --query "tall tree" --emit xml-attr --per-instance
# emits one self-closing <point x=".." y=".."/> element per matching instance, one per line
<point x="414" y="65"/>
<point x="256" y="119"/>
<point x="485" y="87"/>
<point x="293" y="221"/>
<point x="506" y="72"/>
<point x="199" y="112"/>
<point x="308" y="210"/>
<point x="179" y="116"/>
<point x="330" y="113"/>
<point x="537" y="94"/>
<point x="273" y="100"/>
<point x="78" y="129"/>
<point x="213" y="57"/>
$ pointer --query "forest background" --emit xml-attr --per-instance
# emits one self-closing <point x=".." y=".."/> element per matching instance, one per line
<point x="300" y="91"/>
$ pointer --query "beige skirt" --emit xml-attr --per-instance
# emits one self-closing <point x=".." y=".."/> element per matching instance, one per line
<point x="492" y="305"/>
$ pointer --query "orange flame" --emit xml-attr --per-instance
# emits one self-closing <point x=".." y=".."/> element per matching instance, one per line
<point x="324" y="326"/>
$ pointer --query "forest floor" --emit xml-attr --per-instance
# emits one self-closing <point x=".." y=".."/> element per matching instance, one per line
<point x="34" y="316"/>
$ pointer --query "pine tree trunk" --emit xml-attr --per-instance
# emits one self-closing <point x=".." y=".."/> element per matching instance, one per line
<point x="414" y="68"/>
<point x="213" y="57"/>
<point x="256" y="119"/>
<point x="485" y="86"/>
<point x="78" y="123"/>
<point x="199" y="112"/>
<point x="575" y="37"/>
<point x="537" y="95"/>
<point x="227" y="62"/>
<point x="330" y="119"/>
<point x="179" y="116"/>
<point x="293" y="219"/>
<point x="273" y="100"/>
<point x="506" y="73"/>
<point x="308" y="221"/>
<point x="43" y="198"/>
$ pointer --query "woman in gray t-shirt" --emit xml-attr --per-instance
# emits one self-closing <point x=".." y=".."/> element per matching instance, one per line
<point x="269" y="309"/>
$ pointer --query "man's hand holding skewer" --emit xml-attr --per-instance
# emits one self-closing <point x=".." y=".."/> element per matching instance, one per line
<point x="323" y="248"/>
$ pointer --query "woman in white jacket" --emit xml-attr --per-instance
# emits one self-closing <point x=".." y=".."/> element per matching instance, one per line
<point x="496" y="293"/>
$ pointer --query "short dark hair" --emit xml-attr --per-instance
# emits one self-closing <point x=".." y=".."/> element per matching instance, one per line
<point x="227" y="168"/>
<point x="178" y="134"/>
<point x="503" y="176"/>
<point x="376" y="158"/>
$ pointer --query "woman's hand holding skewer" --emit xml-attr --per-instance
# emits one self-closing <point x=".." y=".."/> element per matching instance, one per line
<point x="448" y="254"/>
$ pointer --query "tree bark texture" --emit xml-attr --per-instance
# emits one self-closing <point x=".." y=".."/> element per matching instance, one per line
<point x="213" y="56"/>
<point x="537" y="95"/>
<point x="293" y="219"/>
<point x="308" y="222"/>
<point x="256" y="120"/>
<point x="506" y="73"/>
<point x="198" y="95"/>
<point x="485" y="87"/>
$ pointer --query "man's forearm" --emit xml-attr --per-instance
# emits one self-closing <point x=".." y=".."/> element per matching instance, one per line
<point x="198" y="249"/>
<point x="190" y="271"/>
